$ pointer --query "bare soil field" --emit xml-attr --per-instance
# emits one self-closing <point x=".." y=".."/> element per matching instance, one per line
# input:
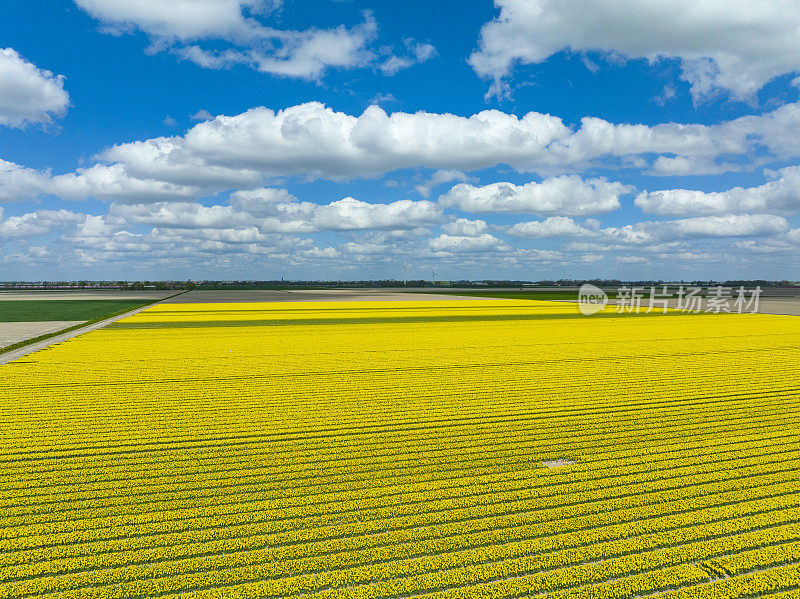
<point x="314" y="295"/>
<point x="15" y="332"/>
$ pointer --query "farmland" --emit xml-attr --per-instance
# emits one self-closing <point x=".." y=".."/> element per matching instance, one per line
<point x="34" y="317"/>
<point x="63" y="309"/>
<point x="497" y="448"/>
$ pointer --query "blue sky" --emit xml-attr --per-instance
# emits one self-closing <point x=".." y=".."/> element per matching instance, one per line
<point x="339" y="139"/>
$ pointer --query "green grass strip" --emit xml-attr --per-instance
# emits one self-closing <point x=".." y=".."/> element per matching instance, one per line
<point x="66" y="309"/>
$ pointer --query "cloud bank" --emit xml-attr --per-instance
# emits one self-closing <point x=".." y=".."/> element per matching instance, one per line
<point x="780" y="194"/>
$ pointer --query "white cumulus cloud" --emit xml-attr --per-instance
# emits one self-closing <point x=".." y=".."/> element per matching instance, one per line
<point x="184" y="20"/>
<point x="270" y="210"/>
<point x="308" y="54"/>
<point x="468" y="243"/>
<point x="114" y="183"/>
<point x="28" y="94"/>
<point x="313" y="141"/>
<point x="729" y="45"/>
<point x="781" y="194"/>
<point x="440" y="177"/>
<point x="202" y="115"/>
<point x="39" y="222"/>
<point x="19" y="183"/>
<point x="568" y="195"/>
<point x="417" y="53"/>
<point x="220" y="33"/>
<point x="464" y="227"/>
<point x="350" y="213"/>
<point x="553" y="226"/>
<point x="729" y="225"/>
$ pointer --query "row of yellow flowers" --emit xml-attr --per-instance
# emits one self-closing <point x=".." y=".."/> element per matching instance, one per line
<point x="411" y="487"/>
<point x="771" y="519"/>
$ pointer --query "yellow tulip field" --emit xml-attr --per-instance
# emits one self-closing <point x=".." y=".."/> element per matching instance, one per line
<point x="490" y="448"/>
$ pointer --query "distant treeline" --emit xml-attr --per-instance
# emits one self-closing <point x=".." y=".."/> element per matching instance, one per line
<point x="367" y="284"/>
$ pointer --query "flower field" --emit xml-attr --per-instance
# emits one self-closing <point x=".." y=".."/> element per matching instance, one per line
<point x="496" y="448"/>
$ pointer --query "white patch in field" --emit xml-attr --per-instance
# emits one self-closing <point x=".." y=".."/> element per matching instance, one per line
<point x="557" y="463"/>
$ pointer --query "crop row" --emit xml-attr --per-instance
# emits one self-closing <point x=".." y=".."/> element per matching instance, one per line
<point x="770" y="516"/>
<point x="317" y="489"/>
